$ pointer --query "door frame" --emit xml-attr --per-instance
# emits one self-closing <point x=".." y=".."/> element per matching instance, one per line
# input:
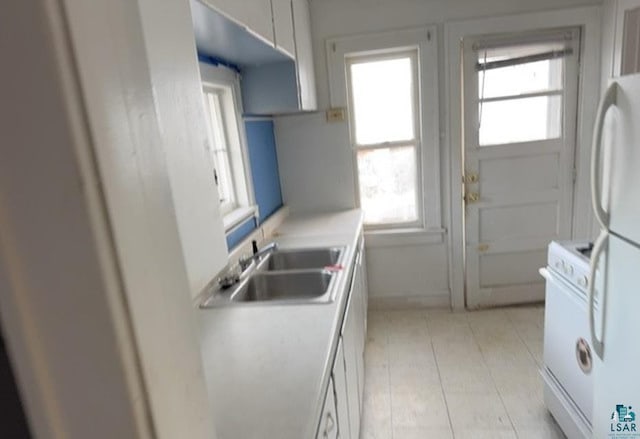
<point x="588" y="18"/>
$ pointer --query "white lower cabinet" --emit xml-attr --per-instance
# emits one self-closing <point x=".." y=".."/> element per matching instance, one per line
<point x="351" y="334"/>
<point x="347" y="375"/>
<point x="339" y="377"/>
<point x="361" y="271"/>
<point x="328" y="428"/>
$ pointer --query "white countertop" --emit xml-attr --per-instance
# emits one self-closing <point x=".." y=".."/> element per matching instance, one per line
<point x="267" y="366"/>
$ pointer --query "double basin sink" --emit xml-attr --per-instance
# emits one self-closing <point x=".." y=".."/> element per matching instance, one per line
<point x="285" y="276"/>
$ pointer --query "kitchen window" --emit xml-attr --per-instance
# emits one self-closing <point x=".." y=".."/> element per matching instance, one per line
<point x="220" y="149"/>
<point x="388" y="83"/>
<point x="227" y="144"/>
<point x="383" y="111"/>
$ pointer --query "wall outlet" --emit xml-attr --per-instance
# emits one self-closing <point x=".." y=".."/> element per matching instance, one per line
<point x="336" y="114"/>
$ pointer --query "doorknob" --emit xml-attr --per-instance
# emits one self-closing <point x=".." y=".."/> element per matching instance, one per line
<point x="483" y="247"/>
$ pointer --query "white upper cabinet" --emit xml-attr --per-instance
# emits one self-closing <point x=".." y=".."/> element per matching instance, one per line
<point x="284" y="87"/>
<point x="283" y="26"/>
<point x="255" y="15"/>
<point x="620" y="40"/>
<point x="304" y="55"/>
<point x="270" y="40"/>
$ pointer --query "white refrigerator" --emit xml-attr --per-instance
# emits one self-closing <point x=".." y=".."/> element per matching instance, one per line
<point x="615" y="273"/>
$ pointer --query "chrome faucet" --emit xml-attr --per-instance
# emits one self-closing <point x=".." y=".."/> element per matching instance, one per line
<point x="246" y="261"/>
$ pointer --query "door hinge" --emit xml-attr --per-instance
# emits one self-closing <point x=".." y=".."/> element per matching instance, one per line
<point x="471" y="177"/>
<point x="471" y="197"/>
<point x="575" y="174"/>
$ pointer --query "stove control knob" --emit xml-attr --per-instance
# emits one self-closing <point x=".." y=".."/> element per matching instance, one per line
<point x="583" y="281"/>
<point x="569" y="270"/>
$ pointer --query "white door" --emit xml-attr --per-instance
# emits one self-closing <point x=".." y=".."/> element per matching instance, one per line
<point x="520" y="98"/>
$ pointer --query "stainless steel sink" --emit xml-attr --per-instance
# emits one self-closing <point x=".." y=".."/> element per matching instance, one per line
<point x="302" y="259"/>
<point x="305" y="275"/>
<point x="312" y="286"/>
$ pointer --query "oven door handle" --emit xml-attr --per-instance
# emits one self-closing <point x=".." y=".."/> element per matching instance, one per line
<point x="550" y="276"/>
<point x="545" y="273"/>
<point x="598" y="248"/>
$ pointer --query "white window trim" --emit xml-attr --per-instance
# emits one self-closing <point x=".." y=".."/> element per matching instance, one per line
<point x="213" y="76"/>
<point x="238" y="216"/>
<point x="428" y="145"/>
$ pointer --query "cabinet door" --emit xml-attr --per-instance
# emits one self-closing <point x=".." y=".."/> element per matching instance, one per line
<point x="328" y="428"/>
<point x="363" y="300"/>
<point x="620" y="24"/>
<point x="631" y="42"/>
<point x="364" y="293"/>
<point x="304" y="55"/>
<point x="254" y="14"/>
<point x="283" y="26"/>
<point x="351" y="334"/>
<point x="339" y="377"/>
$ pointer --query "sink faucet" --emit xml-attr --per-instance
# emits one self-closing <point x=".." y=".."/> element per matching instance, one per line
<point x="246" y="261"/>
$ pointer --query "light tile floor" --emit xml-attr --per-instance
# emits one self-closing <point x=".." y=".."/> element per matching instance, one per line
<point x="434" y="374"/>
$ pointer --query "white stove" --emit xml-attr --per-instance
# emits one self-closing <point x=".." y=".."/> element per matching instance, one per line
<point x="568" y="361"/>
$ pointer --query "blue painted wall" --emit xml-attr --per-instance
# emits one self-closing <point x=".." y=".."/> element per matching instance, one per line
<point x="264" y="166"/>
<point x="261" y="147"/>
<point x="236" y="236"/>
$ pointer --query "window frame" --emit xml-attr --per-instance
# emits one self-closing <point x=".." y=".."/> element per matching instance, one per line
<point x="413" y="54"/>
<point x="529" y="38"/>
<point x="226" y="82"/>
<point x="424" y="39"/>
<point x="228" y="206"/>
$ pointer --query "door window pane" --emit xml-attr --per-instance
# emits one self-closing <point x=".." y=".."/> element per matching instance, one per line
<point x="518" y="79"/>
<point x="383" y="100"/>
<point x="387" y="179"/>
<point x="520" y="120"/>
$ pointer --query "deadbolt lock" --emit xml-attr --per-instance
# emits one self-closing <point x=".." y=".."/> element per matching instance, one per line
<point x="472" y="178"/>
<point x="483" y="247"/>
<point x="472" y="197"/>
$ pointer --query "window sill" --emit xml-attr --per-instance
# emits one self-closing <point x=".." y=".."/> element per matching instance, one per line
<point x="404" y="237"/>
<point x="238" y="216"/>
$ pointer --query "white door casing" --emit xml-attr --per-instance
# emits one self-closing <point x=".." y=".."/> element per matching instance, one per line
<point x="519" y="196"/>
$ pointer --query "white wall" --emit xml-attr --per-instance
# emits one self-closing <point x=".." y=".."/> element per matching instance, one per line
<point x="315" y="163"/>
<point x="306" y="140"/>
<point x="331" y="18"/>
<point x="59" y="316"/>
<point x="179" y="104"/>
<point x="94" y="292"/>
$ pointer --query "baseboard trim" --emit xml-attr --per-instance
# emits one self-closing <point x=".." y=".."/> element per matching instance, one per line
<point x="436" y="300"/>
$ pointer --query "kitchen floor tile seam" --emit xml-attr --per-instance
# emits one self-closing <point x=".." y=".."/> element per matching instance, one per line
<point x="526" y="345"/>
<point x="386" y="340"/>
<point x="387" y="355"/>
<point x="444" y="396"/>
<point x="495" y="387"/>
